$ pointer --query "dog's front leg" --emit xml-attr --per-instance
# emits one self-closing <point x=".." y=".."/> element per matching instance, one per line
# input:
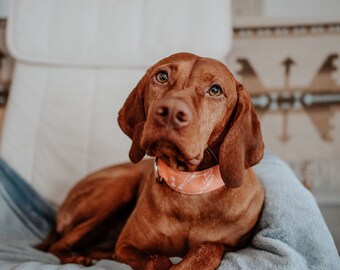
<point x="141" y="261"/>
<point x="206" y="256"/>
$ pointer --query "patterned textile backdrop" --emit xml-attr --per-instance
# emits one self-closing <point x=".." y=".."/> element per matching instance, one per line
<point x="292" y="71"/>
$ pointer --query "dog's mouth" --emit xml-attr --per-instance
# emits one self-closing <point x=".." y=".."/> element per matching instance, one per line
<point x="174" y="156"/>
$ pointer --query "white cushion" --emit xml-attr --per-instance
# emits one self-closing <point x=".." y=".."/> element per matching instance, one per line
<point x="76" y="62"/>
<point x="115" y="32"/>
<point x="61" y="124"/>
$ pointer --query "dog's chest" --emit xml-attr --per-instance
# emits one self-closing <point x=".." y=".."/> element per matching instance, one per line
<point x="170" y="223"/>
<point x="188" y="220"/>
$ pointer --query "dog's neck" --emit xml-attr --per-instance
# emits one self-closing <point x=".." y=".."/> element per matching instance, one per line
<point x="189" y="182"/>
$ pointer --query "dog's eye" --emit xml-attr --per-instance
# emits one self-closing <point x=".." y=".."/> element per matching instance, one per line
<point x="215" y="90"/>
<point x="162" y="76"/>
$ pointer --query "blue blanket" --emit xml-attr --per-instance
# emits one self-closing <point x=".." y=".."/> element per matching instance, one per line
<point x="291" y="233"/>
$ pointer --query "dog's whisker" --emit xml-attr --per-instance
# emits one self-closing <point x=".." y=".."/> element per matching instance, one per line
<point x="209" y="151"/>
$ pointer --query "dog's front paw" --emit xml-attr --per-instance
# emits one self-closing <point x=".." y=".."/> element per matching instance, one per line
<point x="158" y="262"/>
<point x="206" y="256"/>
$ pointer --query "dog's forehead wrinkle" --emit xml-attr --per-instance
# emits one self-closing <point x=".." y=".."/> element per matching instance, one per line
<point x="213" y="72"/>
<point x="208" y="77"/>
<point x="191" y="70"/>
<point x="172" y="67"/>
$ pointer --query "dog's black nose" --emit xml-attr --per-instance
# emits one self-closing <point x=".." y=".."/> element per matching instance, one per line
<point x="172" y="112"/>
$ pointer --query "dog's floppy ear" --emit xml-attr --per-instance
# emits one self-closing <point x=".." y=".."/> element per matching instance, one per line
<point x="242" y="146"/>
<point x="131" y="119"/>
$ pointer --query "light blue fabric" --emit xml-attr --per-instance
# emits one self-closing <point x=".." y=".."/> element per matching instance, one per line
<point x="21" y="206"/>
<point x="291" y="233"/>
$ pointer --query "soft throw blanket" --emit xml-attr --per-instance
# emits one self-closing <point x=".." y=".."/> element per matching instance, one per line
<point x="291" y="233"/>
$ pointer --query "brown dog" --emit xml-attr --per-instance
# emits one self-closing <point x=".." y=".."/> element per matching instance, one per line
<point x="193" y="115"/>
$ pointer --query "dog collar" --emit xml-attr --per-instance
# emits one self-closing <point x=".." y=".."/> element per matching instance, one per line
<point x="189" y="182"/>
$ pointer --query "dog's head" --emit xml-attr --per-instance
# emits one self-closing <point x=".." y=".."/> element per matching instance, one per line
<point x="191" y="112"/>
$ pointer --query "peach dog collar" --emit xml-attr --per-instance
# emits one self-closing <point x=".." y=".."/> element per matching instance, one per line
<point x="189" y="182"/>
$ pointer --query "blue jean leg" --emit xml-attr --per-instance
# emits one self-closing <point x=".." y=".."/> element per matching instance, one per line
<point x="24" y="214"/>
